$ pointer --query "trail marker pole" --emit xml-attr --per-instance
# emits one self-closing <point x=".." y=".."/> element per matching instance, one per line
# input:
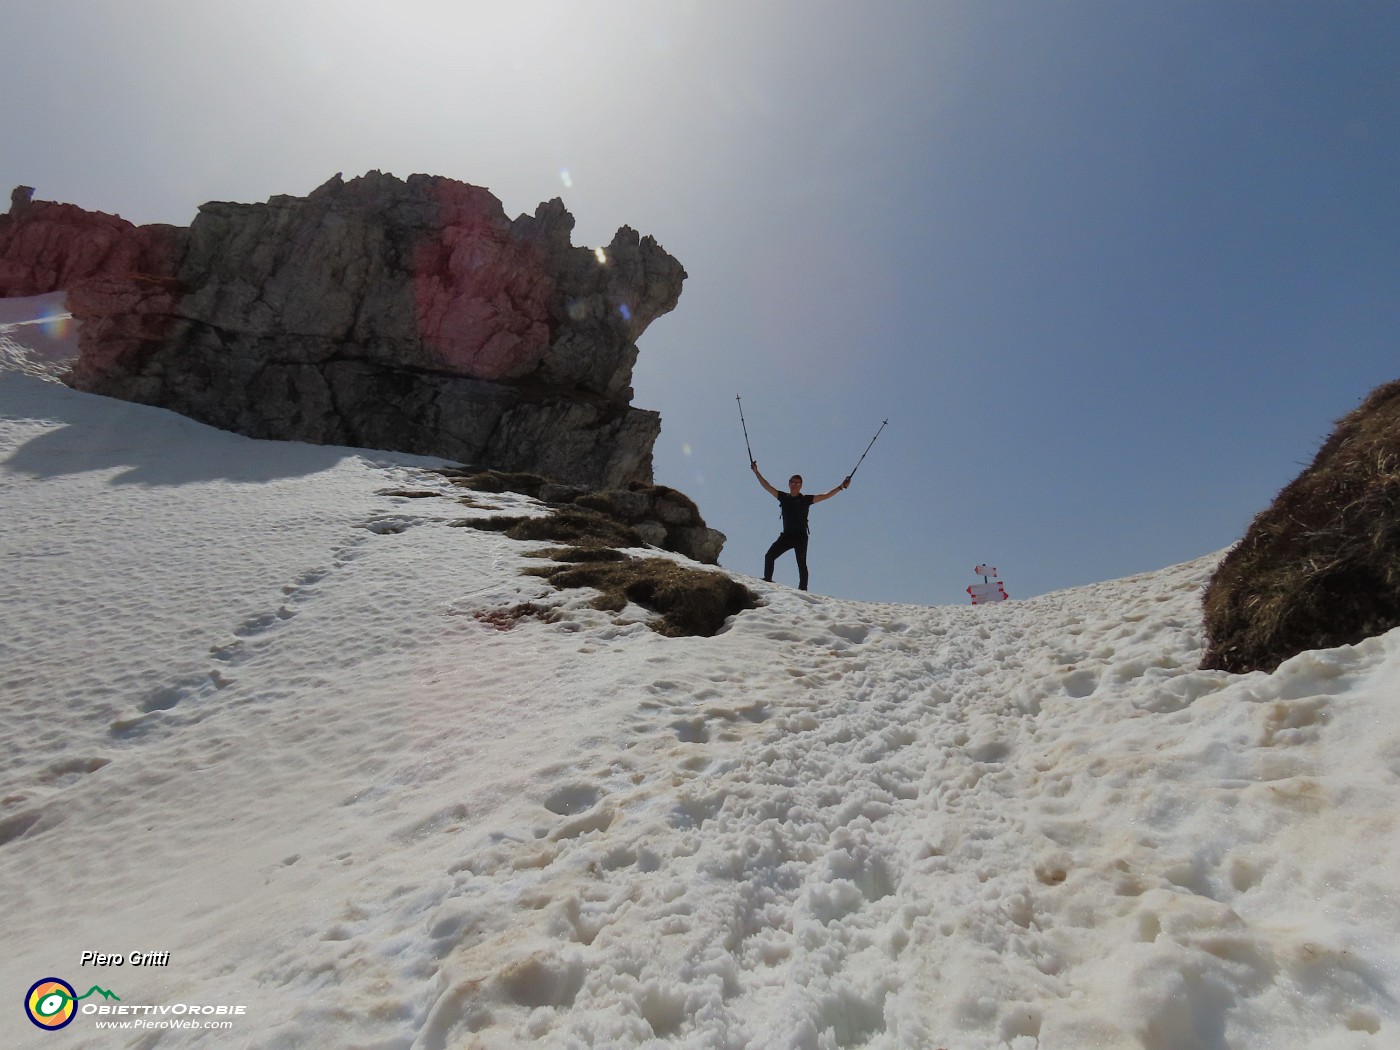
<point x="989" y="590"/>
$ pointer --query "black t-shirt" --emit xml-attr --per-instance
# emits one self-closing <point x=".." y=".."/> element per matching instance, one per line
<point x="795" y="510"/>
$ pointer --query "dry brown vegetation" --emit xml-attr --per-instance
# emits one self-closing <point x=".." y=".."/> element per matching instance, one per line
<point x="506" y="618"/>
<point x="659" y="516"/>
<point x="573" y="525"/>
<point x="481" y="480"/>
<point x="688" y="601"/>
<point x="1321" y="566"/>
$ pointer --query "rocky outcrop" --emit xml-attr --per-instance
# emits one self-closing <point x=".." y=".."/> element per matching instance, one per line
<point x="48" y="247"/>
<point x="379" y="312"/>
<point x="649" y="514"/>
<point x="1320" y="567"/>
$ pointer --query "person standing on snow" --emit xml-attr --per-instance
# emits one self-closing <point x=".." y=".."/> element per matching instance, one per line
<point x="795" y="507"/>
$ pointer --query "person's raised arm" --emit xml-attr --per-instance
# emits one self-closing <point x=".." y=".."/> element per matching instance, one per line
<point x="827" y="495"/>
<point x="762" y="480"/>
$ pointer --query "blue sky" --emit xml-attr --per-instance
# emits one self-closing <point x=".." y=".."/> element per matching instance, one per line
<point x="1110" y="270"/>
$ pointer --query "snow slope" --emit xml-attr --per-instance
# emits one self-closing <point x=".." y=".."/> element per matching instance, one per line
<point x="254" y="713"/>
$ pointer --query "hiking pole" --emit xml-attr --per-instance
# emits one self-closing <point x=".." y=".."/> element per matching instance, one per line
<point x="867" y="449"/>
<point x="745" y="426"/>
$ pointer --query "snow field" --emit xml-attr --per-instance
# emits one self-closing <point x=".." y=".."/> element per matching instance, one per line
<point x="260" y="712"/>
<point x="1007" y="844"/>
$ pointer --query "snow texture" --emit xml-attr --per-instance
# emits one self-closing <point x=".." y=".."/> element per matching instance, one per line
<point x="262" y="709"/>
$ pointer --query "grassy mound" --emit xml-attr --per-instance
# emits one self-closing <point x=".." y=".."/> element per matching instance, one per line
<point x="1321" y="566"/>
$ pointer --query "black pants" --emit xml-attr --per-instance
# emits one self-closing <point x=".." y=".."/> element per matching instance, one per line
<point x="795" y="542"/>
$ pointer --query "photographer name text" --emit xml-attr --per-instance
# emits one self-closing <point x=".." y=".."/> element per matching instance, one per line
<point x="134" y="958"/>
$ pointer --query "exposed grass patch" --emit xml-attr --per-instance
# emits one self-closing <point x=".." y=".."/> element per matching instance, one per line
<point x="1320" y="567"/>
<point x="510" y="616"/>
<point x="638" y="501"/>
<point x="480" y="480"/>
<point x="688" y="601"/>
<point x="658" y="515"/>
<point x="577" y="526"/>
<point x="579" y="554"/>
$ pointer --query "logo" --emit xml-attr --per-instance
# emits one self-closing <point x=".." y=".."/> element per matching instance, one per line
<point x="52" y="1003"/>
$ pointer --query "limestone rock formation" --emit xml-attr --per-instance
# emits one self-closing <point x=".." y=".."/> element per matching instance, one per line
<point x="48" y="247"/>
<point x="1320" y="567"/>
<point x="379" y="312"/>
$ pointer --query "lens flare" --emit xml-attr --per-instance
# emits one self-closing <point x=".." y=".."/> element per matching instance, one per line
<point x="625" y="311"/>
<point x="601" y="256"/>
<point x="56" y="323"/>
<point x="566" y="178"/>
